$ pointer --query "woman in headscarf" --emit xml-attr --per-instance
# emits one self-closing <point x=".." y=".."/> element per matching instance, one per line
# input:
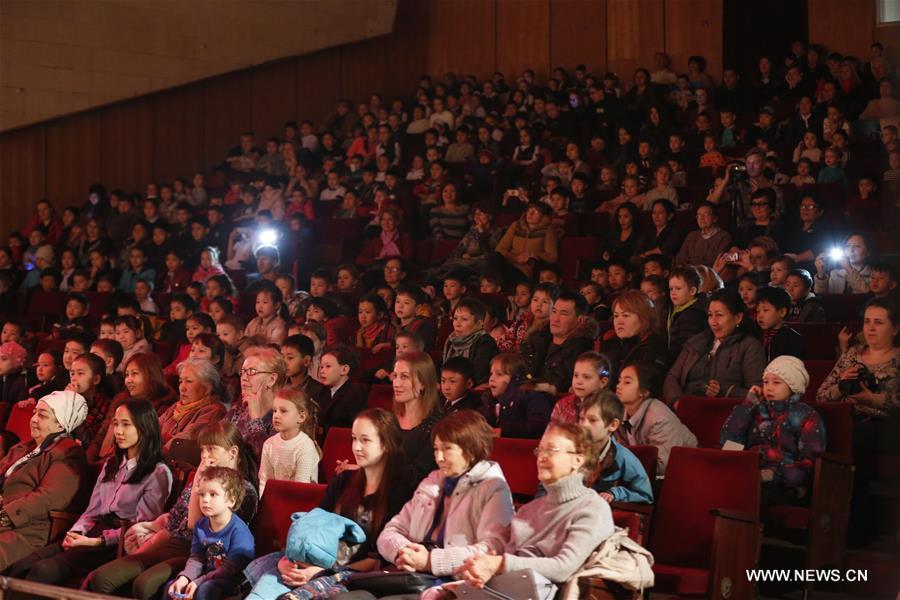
<point x="40" y="475"/>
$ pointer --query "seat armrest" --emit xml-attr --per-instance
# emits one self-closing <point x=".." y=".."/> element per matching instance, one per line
<point x="734" y="515"/>
<point x="643" y="509"/>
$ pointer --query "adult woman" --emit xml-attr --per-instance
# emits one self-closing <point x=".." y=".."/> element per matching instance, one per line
<point x="40" y="475"/>
<point x="390" y="243"/>
<point x="635" y="323"/>
<point x="764" y="222"/>
<point x="663" y="237"/>
<point x="850" y="273"/>
<point x="460" y="510"/>
<point x="723" y="361"/>
<point x="530" y="239"/>
<point x="640" y="97"/>
<point x="450" y="221"/>
<point x="626" y="232"/>
<point x="45" y="217"/>
<point x="868" y="376"/>
<point x="200" y="395"/>
<point x="554" y="534"/>
<point x="414" y="381"/>
<point x="144" y="379"/>
<point x="703" y="246"/>
<point x="157" y="549"/>
<point x="809" y="238"/>
<point x="262" y="376"/>
<point x="134" y="484"/>
<point x="370" y="496"/>
<point x="476" y="244"/>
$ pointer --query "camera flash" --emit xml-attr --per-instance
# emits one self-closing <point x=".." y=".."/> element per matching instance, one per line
<point x="836" y="254"/>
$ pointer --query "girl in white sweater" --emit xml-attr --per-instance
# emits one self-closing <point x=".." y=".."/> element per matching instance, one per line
<point x="291" y="454"/>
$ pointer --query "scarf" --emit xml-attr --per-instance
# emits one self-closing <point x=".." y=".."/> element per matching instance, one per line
<point x="389" y="246"/>
<point x="180" y="409"/>
<point x="463" y="345"/>
<point x="436" y="533"/>
<point x="367" y="337"/>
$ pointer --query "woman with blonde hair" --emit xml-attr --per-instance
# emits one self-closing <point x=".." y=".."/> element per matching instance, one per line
<point x="262" y="376"/>
<point x="414" y="380"/>
<point x="636" y="326"/>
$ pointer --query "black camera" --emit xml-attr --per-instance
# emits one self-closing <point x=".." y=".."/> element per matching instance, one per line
<point x="864" y="377"/>
<point x="738" y="172"/>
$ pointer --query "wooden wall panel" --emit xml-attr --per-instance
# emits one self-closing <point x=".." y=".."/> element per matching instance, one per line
<point x="274" y="98"/>
<point x="362" y="69"/>
<point x="694" y="27"/>
<point x="404" y="50"/>
<point x="318" y="85"/>
<point x="22" y="169"/>
<point x="889" y="35"/>
<point x="226" y="114"/>
<point x="73" y="158"/>
<point x="178" y="133"/>
<point x="523" y="38"/>
<point x="845" y="26"/>
<point x="578" y="34"/>
<point x="126" y="135"/>
<point x="635" y="33"/>
<point x="461" y="37"/>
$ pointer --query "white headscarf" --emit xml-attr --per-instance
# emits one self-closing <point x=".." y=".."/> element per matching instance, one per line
<point x="70" y="408"/>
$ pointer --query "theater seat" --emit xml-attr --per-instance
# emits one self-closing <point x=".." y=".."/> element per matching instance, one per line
<point x="381" y="395"/>
<point x="648" y="456"/>
<point x="573" y="249"/>
<point x="516" y="458"/>
<point x="279" y="502"/>
<point x="705" y="530"/>
<point x="336" y="447"/>
<point x="44" y="308"/>
<point x="818" y="370"/>
<point x="705" y="417"/>
<point x="843" y="307"/>
<point x="19" y="421"/>
<point x="819" y="339"/>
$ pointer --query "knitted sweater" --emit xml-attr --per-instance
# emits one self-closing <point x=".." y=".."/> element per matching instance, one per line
<point x="556" y="533"/>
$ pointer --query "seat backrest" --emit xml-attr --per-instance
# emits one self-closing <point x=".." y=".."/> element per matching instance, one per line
<point x="337" y="447"/>
<point x="705" y="417"/>
<point x="818" y="370"/>
<point x="573" y="248"/>
<point x="19" y="421"/>
<point x="819" y="339"/>
<point x="381" y="395"/>
<point x="699" y="480"/>
<point x="516" y="458"/>
<point x="633" y="521"/>
<point x="281" y="499"/>
<point x="838" y="419"/>
<point x="647" y="455"/>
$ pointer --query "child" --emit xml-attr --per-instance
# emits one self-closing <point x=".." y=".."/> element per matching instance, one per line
<point x="50" y="377"/>
<point x="490" y="283"/>
<point x="748" y="285"/>
<point x="772" y="306"/>
<point x="347" y="278"/>
<point x="649" y="422"/>
<point x="13" y="387"/>
<point x="181" y="307"/>
<point x="454" y="289"/>
<point x="230" y="330"/>
<point x="223" y="544"/>
<point x="297" y="351"/>
<point x="686" y="316"/>
<point x="130" y="334"/>
<point x="220" y="307"/>
<point x="457" y="381"/>
<point x="209" y="265"/>
<point x="207" y="346"/>
<point x="292" y="299"/>
<point x="803" y="176"/>
<point x="406" y="306"/>
<point x="619" y="475"/>
<point x="291" y="454"/>
<point x="785" y="432"/>
<point x="75" y="347"/>
<point x="405" y="342"/>
<point x="620" y="276"/>
<point x="75" y="317"/>
<point x="341" y="401"/>
<point x="110" y="352"/>
<point x="535" y="319"/>
<point x="469" y="339"/>
<point x="600" y="274"/>
<point x="519" y="301"/>
<point x="137" y="269"/>
<point x="805" y="306"/>
<point x="376" y="331"/>
<point x="142" y="290"/>
<point x="781" y="266"/>
<point x="85" y="378"/>
<point x="197" y="323"/>
<point x="654" y="287"/>
<point x="589" y="376"/>
<point x="593" y="294"/>
<point x="511" y="405"/>
<point x="833" y="172"/>
<point x="196" y="290"/>
<point x="270" y="325"/>
<point x="808" y="148"/>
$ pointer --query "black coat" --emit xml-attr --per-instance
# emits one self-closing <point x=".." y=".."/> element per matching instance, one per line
<point x="340" y="409"/>
<point x="686" y="324"/>
<point x="650" y="349"/>
<point x="786" y="342"/>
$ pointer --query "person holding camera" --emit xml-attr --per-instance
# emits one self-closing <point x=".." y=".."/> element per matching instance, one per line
<point x="740" y="182"/>
<point x="846" y="270"/>
<point x="868" y="375"/>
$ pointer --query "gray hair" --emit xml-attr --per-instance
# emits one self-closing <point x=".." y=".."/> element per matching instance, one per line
<point x="208" y="374"/>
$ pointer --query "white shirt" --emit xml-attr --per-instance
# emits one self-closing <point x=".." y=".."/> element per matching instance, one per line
<point x="296" y="459"/>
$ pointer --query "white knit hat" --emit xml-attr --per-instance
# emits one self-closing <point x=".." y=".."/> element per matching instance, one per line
<point x="70" y="408"/>
<point x="792" y="372"/>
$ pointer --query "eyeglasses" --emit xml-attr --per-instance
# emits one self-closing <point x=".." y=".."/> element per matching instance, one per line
<point x="759" y="204"/>
<point x="392" y="269"/>
<point x="551" y="451"/>
<point x="251" y="372"/>
<point x="808" y="207"/>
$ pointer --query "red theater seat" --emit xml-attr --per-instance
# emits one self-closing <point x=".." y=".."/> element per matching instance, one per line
<point x="705" y="417"/>
<point x="705" y="527"/>
<point x="574" y="249"/>
<point x="516" y="458"/>
<point x="19" y="421"/>
<point x="381" y="395"/>
<point x="337" y="447"/>
<point x="819" y="339"/>
<point x="279" y="502"/>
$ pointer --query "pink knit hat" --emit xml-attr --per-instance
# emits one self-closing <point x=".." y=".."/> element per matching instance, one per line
<point x="15" y="352"/>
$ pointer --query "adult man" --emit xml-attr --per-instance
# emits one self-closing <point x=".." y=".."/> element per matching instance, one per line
<point x="559" y="347"/>
<point x="755" y="161"/>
